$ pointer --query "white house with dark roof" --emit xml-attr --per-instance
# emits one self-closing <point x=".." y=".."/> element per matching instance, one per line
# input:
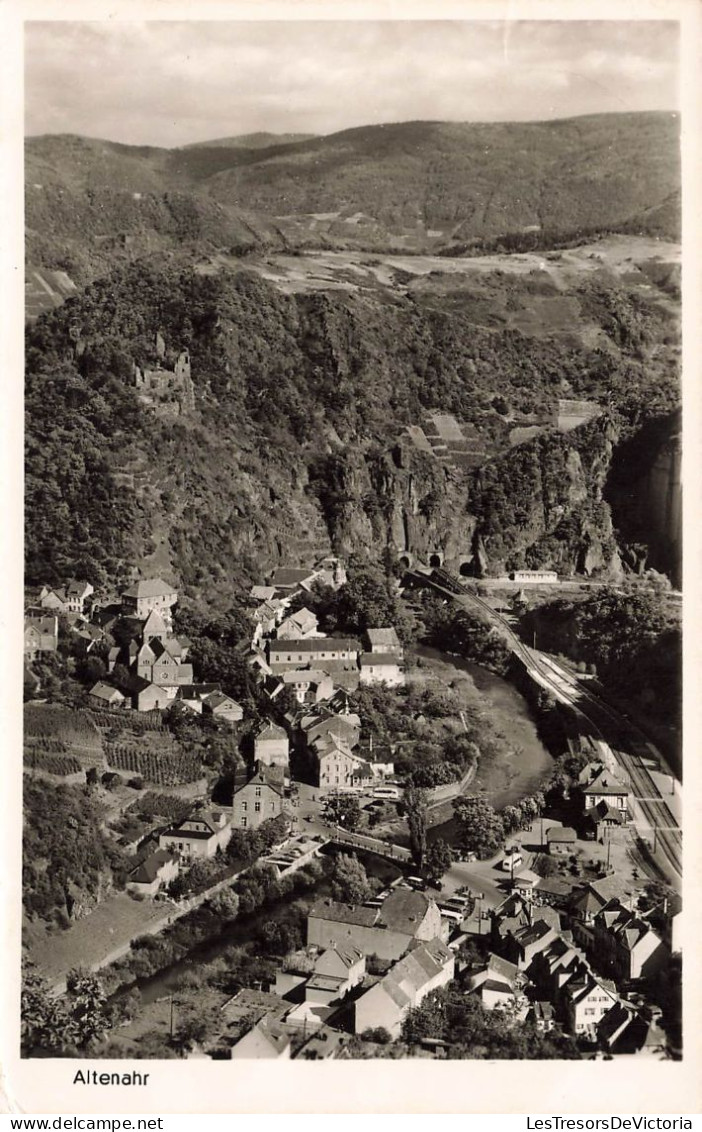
<point x="382" y="668"/>
<point x="221" y="706"/>
<point x="298" y="626"/>
<point x="258" y="799"/>
<point x="69" y="598"/>
<point x="199" y="835"/>
<point x="312" y="652"/>
<point x="104" y="695"/>
<point x="157" y="870"/>
<point x="425" y="968"/>
<point x="149" y="594"/>
<point x="605" y="787"/>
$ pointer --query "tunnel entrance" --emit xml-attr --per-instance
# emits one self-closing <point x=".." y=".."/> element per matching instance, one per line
<point x="466" y="569"/>
<point x="435" y="560"/>
<point x="405" y="561"/>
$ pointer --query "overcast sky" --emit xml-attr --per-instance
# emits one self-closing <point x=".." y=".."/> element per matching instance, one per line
<point x="171" y="83"/>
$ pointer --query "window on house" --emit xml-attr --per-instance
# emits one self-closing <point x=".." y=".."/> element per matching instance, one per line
<point x="258" y="791"/>
<point x="244" y="805"/>
<point x="589" y="1010"/>
<point x="244" y="820"/>
<point x="257" y="807"/>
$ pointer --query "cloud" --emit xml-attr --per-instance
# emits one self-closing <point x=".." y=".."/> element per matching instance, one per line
<point x="170" y="83"/>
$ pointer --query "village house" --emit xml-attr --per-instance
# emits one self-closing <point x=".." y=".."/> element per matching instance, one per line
<point x="384" y="642"/>
<point x="604" y="787"/>
<point x="70" y="598"/>
<point x="40" y="635"/>
<point x="499" y="984"/>
<point x="404" y="916"/>
<point x="326" y="724"/>
<point x="625" y="943"/>
<point x="288" y="579"/>
<point x="525" y="943"/>
<point x="267" y="1039"/>
<point x="262" y="593"/>
<point x="587" y="998"/>
<point x="267" y="617"/>
<point x="104" y="695"/>
<point x="331" y="572"/>
<point x="158" y="870"/>
<point x="298" y="626"/>
<point x="381" y="668"/>
<point x="543" y="1016"/>
<point x="88" y="636"/>
<point x="199" y="835"/>
<point x="222" y="707"/>
<point x="600" y="819"/>
<point x="310" y="685"/>
<point x="286" y="655"/>
<point x="335" y="766"/>
<point x="258" y="799"/>
<point x="425" y="968"/>
<point x="272" y="746"/>
<point x="149" y="594"/>
<point x="193" y="696"/>
<point x="560" y="840"/>
<point x="554" y="891"/>
<point x="336" y="972"/>
<point x="152" y="697"/>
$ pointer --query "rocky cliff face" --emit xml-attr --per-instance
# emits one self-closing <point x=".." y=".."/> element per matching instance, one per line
<point x="295" y="439"/>
<point x="540" y="504"/>
<point x="644" y="488"/>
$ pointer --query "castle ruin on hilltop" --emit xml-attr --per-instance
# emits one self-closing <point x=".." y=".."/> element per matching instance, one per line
<point x="169" y="385"/>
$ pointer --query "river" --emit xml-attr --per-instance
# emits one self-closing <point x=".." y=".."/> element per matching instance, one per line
<point x="519" y="774"/>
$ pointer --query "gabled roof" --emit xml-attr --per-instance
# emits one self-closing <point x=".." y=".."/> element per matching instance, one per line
<point x="196" y="691"/>
<point x="604" y="812"/>
<point x="271" y="730"/>
<point x="381" y="658"/>
<point x="605" y="783"/>
<point x="217" y="699"/>
<point x="383" y="638"/>
<point x="103" y="691"/>
<point x="148" y="870"/>
<point x="149" y="587"/>
<point x="316" y="645"/>
<point x="154" y="623"/>
<point x="402" y="911"/>
<point x="289" y="576"/>
<point x="262" y="776"/>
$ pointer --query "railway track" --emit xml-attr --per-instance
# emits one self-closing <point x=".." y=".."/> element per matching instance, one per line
<point x="604" y="720"/>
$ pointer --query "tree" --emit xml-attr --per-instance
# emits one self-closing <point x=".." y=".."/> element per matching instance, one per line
<point x="349" y="879"/>
<point x="342" y="809"/>
<point x="481" y="828"/>
<point x="224" y="904"/>
<point x="88" y="1007"/>
<point x="414" y="801"/>
<point x="45" y="1023"/>
<point x="439" y="858"/>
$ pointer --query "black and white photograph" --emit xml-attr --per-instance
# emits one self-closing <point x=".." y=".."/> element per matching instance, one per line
<point x="352" y="592"/>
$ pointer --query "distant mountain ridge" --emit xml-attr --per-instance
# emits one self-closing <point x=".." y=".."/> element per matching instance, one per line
<point x="410" y="186"/>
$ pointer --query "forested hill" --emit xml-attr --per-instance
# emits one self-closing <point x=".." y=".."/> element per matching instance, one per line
<point x="294" y="441"/>
<point x="407" y="186"/>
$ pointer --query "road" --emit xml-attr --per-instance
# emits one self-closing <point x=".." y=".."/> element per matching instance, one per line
<point x="625" y="740"/>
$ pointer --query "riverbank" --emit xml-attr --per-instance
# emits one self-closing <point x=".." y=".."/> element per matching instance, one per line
<point x="526" y="760"/>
